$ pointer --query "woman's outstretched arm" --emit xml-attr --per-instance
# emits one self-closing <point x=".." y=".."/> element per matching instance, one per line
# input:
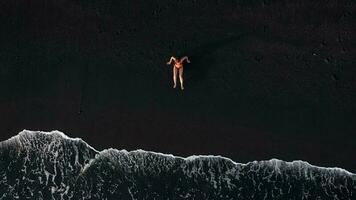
<point x="170" y="60"/>
<point x="184" y="58"/>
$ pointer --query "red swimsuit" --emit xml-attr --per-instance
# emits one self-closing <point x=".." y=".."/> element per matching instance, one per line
<point x="178" y="65"/>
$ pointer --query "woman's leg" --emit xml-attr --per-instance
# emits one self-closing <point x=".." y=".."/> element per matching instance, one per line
<point x="174" y="77"/>
<point x="181" y="78"/>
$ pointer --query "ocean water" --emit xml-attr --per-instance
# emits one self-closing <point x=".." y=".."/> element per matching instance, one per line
<point x="41" y="165"/>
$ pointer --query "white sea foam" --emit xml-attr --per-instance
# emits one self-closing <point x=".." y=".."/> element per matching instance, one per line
<point x="274" y="162"/>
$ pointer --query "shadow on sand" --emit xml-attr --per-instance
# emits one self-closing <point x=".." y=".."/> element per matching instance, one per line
<point x="202" y="57"/>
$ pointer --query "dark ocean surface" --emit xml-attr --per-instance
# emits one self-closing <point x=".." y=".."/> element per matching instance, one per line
<point x="267" y="78"/>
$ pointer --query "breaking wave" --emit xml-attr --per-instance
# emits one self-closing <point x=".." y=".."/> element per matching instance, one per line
<point x="50" y="165"/>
